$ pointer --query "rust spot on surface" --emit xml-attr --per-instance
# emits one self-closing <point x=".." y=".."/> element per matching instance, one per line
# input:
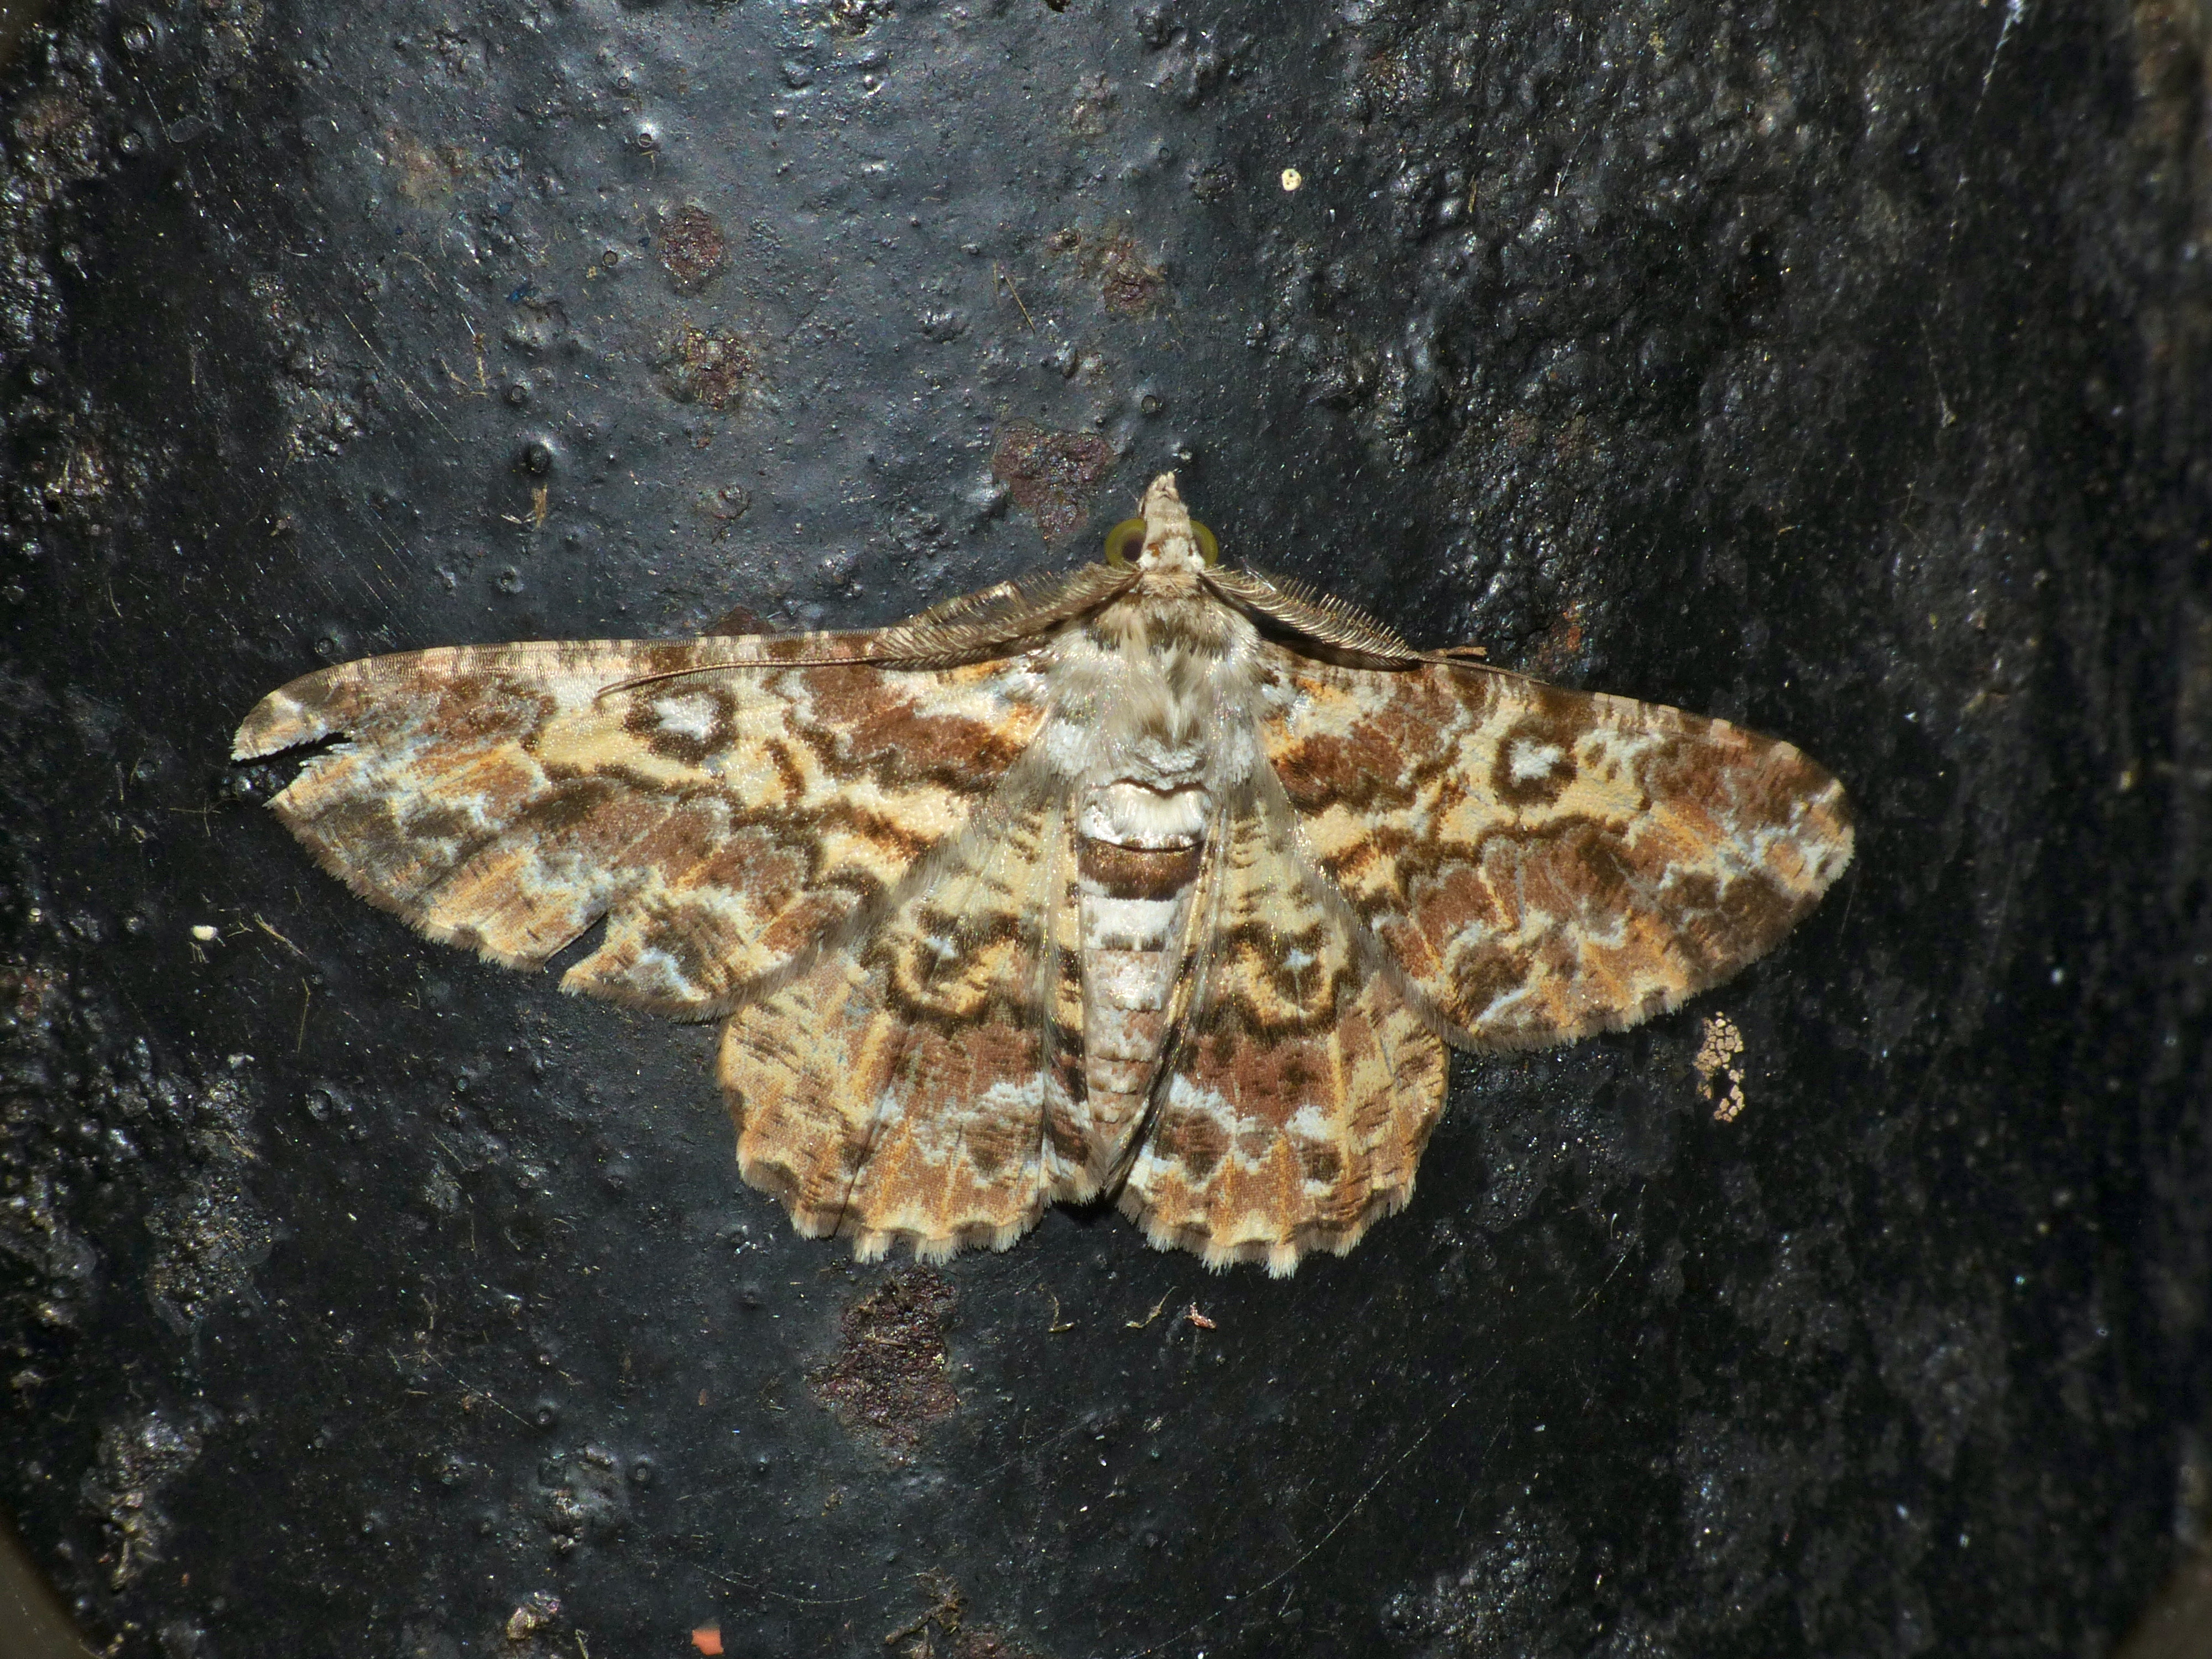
<point x="1129" y="284"/>
<point x="1092" y="111"/>
<point x="1050" y="475"/>
<point x="737" y="621"/>
<point x="425" y="174"/>
<point x="692" y="248"/>
<point x="697" y="366"/>
<point x="1561" y="651"/>
<point x="887" y="1381"/>
<point x="26" y="992"/>
<point x="854" y="18"/>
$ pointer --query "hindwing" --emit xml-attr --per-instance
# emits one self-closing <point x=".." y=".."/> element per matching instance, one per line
<point x="1302" y="1083"/>
<point x="905" y="1082"/>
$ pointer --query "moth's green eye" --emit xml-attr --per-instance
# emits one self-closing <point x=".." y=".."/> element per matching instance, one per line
<point x="1124" y="542"/>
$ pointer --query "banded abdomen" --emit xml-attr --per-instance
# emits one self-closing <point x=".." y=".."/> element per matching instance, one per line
<point x="1139" y="853"/>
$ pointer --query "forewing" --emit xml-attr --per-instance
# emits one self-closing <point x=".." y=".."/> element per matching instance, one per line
<point x="722" y="803"/>
<point x="903" y="1085"/>
<point x="1544" y="864"/>
<point x="1302" y="1085"/>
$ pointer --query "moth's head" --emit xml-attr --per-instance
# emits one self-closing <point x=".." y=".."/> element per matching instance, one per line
<point x="1166" y="538"/>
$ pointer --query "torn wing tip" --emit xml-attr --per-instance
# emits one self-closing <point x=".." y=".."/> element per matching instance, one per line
<point x="276" y="723"/>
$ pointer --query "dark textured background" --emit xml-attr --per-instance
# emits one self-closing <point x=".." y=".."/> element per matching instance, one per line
<point x="1842" y="370"/>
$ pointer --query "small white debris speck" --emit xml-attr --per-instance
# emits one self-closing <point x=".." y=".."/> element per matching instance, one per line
<point x="1292" y="178"/>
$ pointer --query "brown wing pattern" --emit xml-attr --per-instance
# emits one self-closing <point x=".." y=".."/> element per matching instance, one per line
<point x="906" y="1085"/>
<point x="1303" y="1085"/>
<point x="721" y="802"/>
<point x="1544" y="864"/>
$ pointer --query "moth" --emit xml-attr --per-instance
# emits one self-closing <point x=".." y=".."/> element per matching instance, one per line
<point x="1160" y="882"/>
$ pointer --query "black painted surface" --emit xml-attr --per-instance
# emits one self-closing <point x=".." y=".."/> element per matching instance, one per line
<point x="1836" y="370"/>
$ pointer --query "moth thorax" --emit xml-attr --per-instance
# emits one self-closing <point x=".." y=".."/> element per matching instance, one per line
<point x="1169" y="613"/>
<point x="1182" y="616"/>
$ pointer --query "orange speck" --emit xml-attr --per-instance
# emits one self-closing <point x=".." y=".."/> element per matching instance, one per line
<point x="1198" y="1318"/>
<point x="707" y="1639"/>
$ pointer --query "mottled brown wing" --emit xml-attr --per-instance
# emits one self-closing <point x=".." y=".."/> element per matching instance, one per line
<point x="1302" y="1085"/>
<point x="908" y="1083"/>
<point x="722" y="803"/>
<point x="1544" y="864"/>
